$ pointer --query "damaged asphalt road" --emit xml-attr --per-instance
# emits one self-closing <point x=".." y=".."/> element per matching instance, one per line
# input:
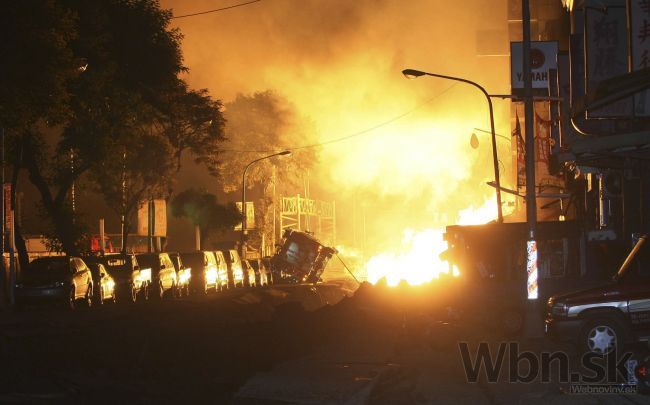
<point x="198" y="350"/>
<point x="258" y="346"/>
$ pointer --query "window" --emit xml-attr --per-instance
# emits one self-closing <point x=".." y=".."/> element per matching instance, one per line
<point x="552" y="257"/>
<point x="77" y="265"/>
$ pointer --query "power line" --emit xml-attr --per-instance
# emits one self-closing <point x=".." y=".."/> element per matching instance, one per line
<point x="507" y="138"/>
<point x="355" y="134"/>
<point x="216" y="10"/>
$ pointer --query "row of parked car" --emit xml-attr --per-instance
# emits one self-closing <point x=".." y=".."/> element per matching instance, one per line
<point x="95" y="279"/>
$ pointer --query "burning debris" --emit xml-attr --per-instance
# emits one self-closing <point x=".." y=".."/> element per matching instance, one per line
<point x="301" y="257"/>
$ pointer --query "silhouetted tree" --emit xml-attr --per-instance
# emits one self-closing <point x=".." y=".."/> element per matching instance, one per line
<point x="204" y="211"/>
<point x="260" y="124"/>
<point x="194" y="122"/>
<point x="112" y="86"/>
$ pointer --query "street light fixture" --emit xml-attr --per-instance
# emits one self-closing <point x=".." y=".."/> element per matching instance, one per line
<point x="242" y="251"/>
<point x="412" y="74"/>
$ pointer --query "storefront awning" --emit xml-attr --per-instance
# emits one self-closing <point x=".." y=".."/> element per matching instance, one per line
<point x="632" y="145"/>
<point x="612" y="90"/>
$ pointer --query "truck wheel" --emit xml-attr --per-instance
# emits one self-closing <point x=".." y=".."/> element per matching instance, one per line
<point x="603" y="335"/>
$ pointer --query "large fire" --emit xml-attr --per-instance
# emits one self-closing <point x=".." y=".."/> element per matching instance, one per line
<point x="418" y="261"/>
<point x="393" y="153"/>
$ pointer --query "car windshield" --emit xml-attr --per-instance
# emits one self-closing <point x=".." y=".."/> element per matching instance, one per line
<point x="117" y="264"/>
<point x="40" y="265"/>
<point x="147" y="261"/>
<point x="46" y="269"/>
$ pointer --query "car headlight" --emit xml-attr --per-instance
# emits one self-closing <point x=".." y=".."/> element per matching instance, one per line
<point x="59" y="284"/>
<point x="19" y="285"/>
<point x="184" y="276"/>
<point x="211" y="275"/>
<point x="559" y="309"/>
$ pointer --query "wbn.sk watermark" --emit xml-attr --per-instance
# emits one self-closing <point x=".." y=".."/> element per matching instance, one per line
<point x="611" y="374"/>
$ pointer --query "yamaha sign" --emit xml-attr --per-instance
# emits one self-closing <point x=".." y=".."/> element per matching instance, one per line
<point x="543" y="56"/>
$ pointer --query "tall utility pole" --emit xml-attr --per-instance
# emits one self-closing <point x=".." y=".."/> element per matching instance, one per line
<point x="242" y="243"/>
<point x="275" y="208"/>
<point x="123" y="216"/>
<point x="3" y="279"/>
<point x="2" y="239"/>
<point x="72" y="190"/>
<point x="533" y="318"/>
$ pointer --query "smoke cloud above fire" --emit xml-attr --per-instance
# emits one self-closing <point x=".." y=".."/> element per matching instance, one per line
<point x="406" y="157"/>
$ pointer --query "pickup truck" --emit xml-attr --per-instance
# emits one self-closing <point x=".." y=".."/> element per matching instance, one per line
<point x="606" y="318"/>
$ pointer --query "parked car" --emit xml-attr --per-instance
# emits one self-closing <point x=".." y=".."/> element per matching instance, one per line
<point x="58" y="278"/>
<point x="249" y="274"/>
<point x="235" y="271"/>
<point x="132" y="282"/>
<point x="183" y="274"/>
<point x="163" y="274"/>
<point x="222" y="269"/>
<point x="204" y="271"/>
<point x="261" y="272"/>
<point x="605" y="318"/>
<point x="104" y="285"/>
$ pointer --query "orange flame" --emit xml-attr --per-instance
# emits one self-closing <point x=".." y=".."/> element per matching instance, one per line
<point x="418" y="260"/>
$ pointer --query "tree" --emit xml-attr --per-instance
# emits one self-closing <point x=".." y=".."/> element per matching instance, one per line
<point x="195" y="122"/>
<point x="116" y="86"/>
<point x="37" y="62"/>
<point x="204" y="211"/>
<point x="260" y="124"/>
<point x="140" y="168"/>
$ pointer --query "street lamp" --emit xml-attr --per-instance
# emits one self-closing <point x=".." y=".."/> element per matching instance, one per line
<point x="243" y="198"/>
<point x="412" y="74"/>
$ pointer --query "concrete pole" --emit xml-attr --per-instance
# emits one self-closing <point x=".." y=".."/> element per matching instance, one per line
<point x="102" y="242"/>
<point x="12" y="263"/>
<point x="3" y="277"/>
<point x="4" y="226"/>
<point x="533" y="324"/>
<point x="274" y="239"/>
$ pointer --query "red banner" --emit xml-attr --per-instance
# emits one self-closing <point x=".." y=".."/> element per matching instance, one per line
<point x="521" y="153"/>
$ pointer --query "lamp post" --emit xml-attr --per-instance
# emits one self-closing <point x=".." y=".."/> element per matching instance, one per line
<point x="412" y="74"/>
<point x="242" y="251"/>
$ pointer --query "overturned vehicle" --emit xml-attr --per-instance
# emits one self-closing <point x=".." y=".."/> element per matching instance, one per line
<point x="300" y="258"/>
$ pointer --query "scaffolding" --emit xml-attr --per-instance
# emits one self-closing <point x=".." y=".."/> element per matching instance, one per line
<point x="307" y="215"/>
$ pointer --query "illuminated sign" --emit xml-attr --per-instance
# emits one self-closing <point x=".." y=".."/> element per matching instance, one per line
<point x="543" y="56"/>
<point x="531" y="268"/>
